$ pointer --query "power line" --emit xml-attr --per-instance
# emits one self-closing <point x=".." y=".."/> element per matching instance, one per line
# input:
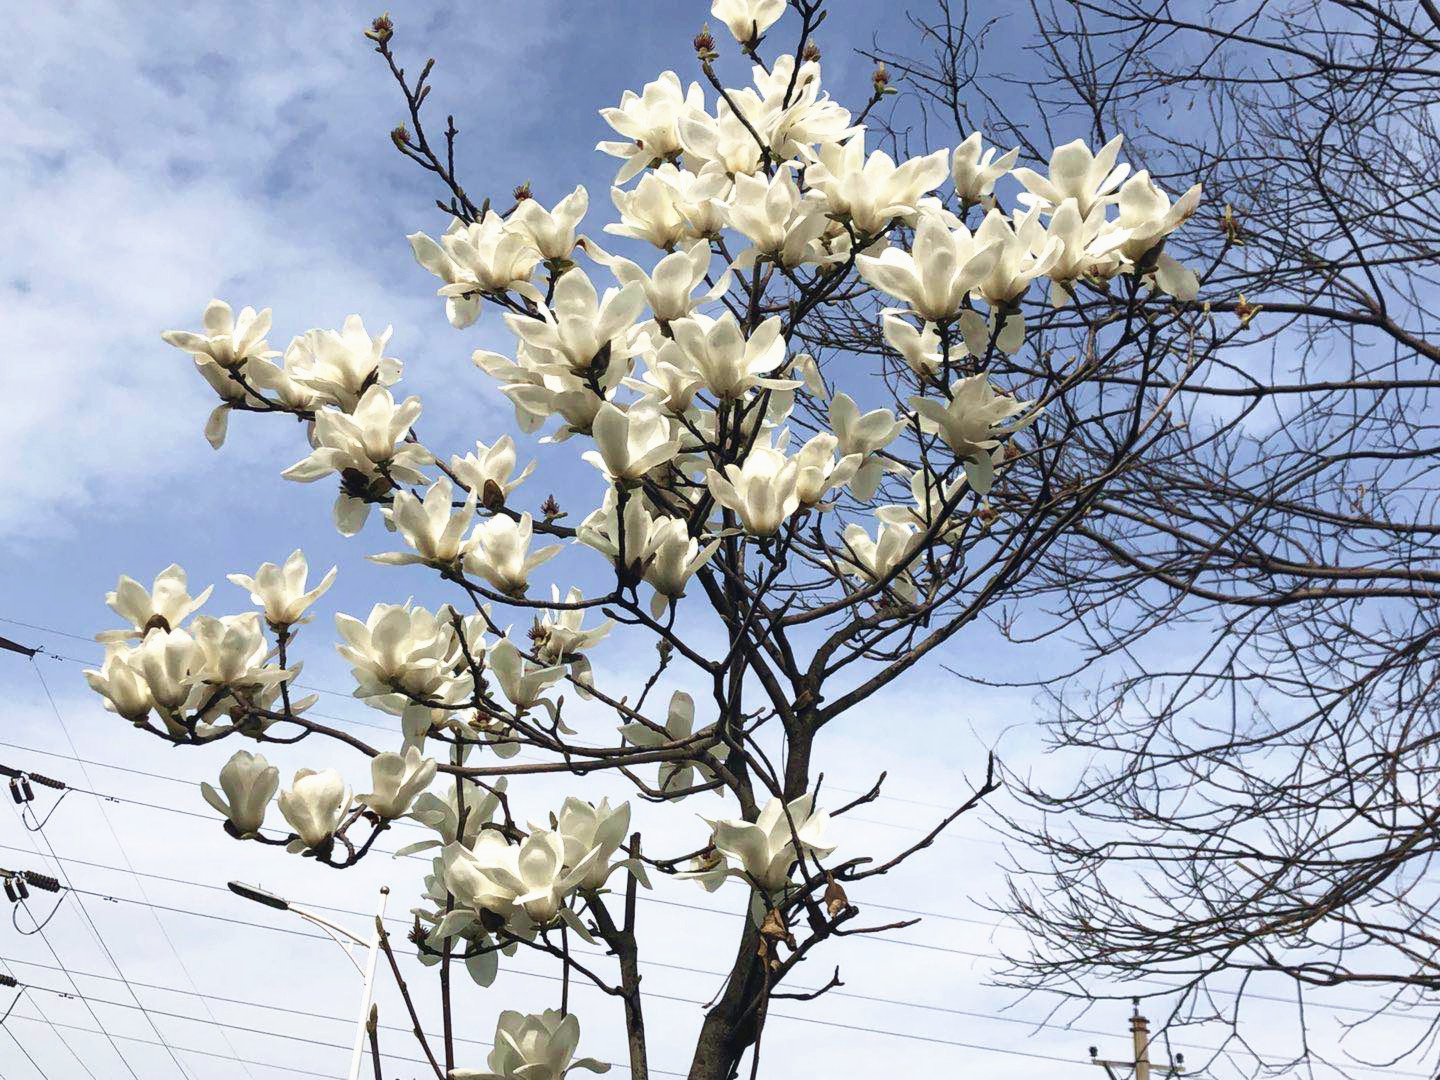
<point x="289" y="1010"/>
<point x="885" y="939"/>
<point x="109" y="955"/>
<point x="922" y="945"/>
<point x="193" y="1050"/>
<point x="686" y="968"/>
<point x="16" y="1039"/>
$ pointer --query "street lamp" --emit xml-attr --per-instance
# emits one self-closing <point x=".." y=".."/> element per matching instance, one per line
<point x="344" y="938"/>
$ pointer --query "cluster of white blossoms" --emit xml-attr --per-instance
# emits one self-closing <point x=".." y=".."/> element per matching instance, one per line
<point x="709" y="427"/>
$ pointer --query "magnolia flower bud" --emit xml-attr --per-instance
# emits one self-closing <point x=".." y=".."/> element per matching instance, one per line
<point x="249" y="783"/>
<point x="315" y="805"/>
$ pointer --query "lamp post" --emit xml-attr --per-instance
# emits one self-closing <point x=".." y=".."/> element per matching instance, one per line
<point x="339" y="935"/>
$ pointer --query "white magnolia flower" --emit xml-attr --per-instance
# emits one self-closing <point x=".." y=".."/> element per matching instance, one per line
<point x="888" y="553"/>
<point x="938" y="272"/>
<point x="974" y="168"/>
<point x="361" y="447"/>
<point x="1147" y="213"/>
<point x="485" y="257"/>
<point x="794" y="114"/>
<point x="1089" y="247"/>
<point x="1025" y="252"/>
<point x="433" y="526"/>
<point x="1076" y="173"/>
<point x="748" y="19"/>
<point x="315" y="805"/>
<point x="698" y="197"/>
<point x="231" y="652"/>
<point x="402" y="652"/>
<point x="652" y="211"/>
<point x="522" y="681"/>
<point x="764" y="851"/>
<point x="863" y="435"/>
<point x="231" y="391"/>
<point x="441" y="813"/>
<point x="339" y="365"/>
<point x="819" y="471"/>
<point x="488" y="471"/>
<point x="647" y="123"/>
<point x="920" y="348"/>
<point x="780" y="223"/>
<point x="561" y="635"/>
<point x="669" y="288"/>
<point x="726" y="141"/>
<point x="657" y="549"/>
<point x="674" y="556"/>
<point x="763" y="491"/>
<point x="504" y="878"/>
<point x="166" y="604"/>
<point x="675" y="776"/>
<point x="873" y="191"/>
<point x="165" y="658"/>
<point x="249" y="783"/>
<point x="668" y="380"/>
<point x="227" y="341"/>
<point x="728" y="363"/>
<point x="281" y="591"/>
<point x="630" y="442"/>
<point x="291" y="394"/>
<point x="971" y="422"/>
<point x="579" y="329"/>
<point x="121" y="682"/>
<point x="592" y="834"/>
<point x="552" y="232"/>
<point x="499" y="551"/>
<point x="533" y="1048"/>
<point x="931" y="499"/>
<point x="398" y="780"/>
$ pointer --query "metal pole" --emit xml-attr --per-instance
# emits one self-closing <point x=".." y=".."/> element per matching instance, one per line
<point x="368" y="993"/>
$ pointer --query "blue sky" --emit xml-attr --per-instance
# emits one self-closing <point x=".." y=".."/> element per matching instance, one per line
<point x="158" y="156"/>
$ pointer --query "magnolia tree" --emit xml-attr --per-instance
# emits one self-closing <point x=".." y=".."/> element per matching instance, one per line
<point x="786" y="530"/>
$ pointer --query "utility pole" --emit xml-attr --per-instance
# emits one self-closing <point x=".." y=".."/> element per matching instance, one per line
<point x="1139" y="1066"/>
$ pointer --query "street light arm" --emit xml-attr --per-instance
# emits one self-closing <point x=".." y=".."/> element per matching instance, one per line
<point x="324" y="923"/>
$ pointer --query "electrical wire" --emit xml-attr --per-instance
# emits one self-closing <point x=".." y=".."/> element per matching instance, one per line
<point x="922" y="945"/>
<point x="120" y="847"/>
<point x="897" y="942"/>
<point x="15" y="1038"/>
<point x="686" y="968"/>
